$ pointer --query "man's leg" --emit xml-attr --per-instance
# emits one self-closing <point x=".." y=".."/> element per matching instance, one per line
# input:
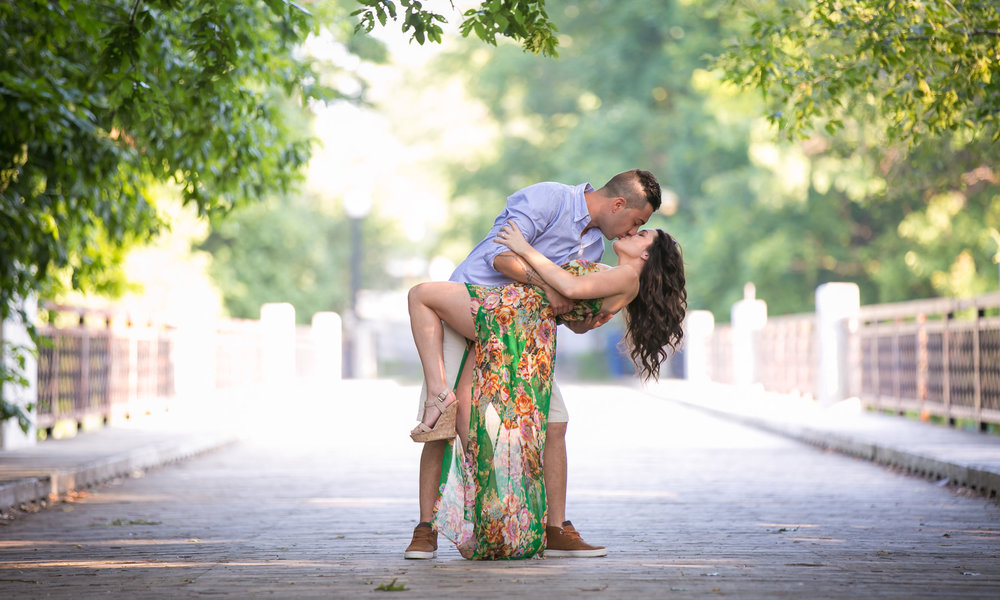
<point x="555" y="472"/>
<point x="562" y="539"/>
<point x="430" y="477"/>
<point x="424" y="542"/>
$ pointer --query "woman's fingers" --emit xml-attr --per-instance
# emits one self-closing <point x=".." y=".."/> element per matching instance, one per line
<point x="510" y="229"/>
<point x="502" y="236"/>
<point x="508" y="234"/>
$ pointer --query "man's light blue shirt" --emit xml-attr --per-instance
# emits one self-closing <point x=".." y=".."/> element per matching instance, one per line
<point x="552" y="217"/>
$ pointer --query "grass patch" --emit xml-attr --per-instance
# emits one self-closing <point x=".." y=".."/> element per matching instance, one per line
<point x="390" y="587"/>
<point x="124" y="523"/>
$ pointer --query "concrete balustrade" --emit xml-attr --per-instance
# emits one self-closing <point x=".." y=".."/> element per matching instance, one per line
<point x="837" y="309"/>
<point x="749" y="316"/>
<point x="14" y="333"/>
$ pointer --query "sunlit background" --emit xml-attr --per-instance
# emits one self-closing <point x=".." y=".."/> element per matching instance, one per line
<point x="415" y="158"/>
<point x="829" y="276"/>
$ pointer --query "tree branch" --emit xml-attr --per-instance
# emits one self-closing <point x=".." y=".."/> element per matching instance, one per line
<point x="133" y="12"/>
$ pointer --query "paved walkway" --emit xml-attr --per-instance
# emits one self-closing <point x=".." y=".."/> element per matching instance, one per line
<point x="317" y="501"/>
<point x="965" y="459"/>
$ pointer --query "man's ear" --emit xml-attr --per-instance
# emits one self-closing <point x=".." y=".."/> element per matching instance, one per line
<point x="617" y="204"/>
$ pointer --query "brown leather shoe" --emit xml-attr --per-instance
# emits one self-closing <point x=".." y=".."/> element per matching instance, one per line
<point x="565" y="542"/>
<point x="424" y="543"/>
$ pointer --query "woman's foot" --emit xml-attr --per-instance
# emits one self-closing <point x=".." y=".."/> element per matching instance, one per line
<point x="439" y="418"/>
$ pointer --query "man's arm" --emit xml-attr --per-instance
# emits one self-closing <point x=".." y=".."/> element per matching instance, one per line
<point x="515" y="267"/>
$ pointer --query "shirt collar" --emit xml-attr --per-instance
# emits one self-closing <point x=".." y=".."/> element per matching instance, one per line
<point x="580" y="212"/>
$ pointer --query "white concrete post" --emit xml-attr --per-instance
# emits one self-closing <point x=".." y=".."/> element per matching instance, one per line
<point x="328" y="339"/>
<point x="194" y="360"/>
<point x="749" y="316"/>
<point x="698" y="328"/>
<point x="278" y="322"/>
<point x="15" y="331"/>
<point x="836" y="305"/>
<point x="365" y="354"/>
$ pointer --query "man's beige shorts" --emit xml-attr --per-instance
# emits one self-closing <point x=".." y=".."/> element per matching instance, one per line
<point x="454" y="349"/>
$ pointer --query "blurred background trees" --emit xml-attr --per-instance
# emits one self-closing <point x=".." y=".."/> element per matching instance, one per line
<point x="797" y="142"/>
<point x="865" y="200"/>
<point x="288" y="249"/>
<point x="115" y="111"/>
<point x="101" y="101"/>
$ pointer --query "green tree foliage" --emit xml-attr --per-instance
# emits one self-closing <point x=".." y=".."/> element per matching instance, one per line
<point x="14" y="374"/>
<point x="943" y="196"/>
<point x="635" y="86"/>
<point x="100" y="99"/>
<point x="908" y="93"/>
<point x="524" y="21"/>
<point x="291" y="250"/>
<point x="926" y="67"/>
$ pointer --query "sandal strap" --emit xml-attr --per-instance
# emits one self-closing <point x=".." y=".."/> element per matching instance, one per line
<point x="438" y="402"/>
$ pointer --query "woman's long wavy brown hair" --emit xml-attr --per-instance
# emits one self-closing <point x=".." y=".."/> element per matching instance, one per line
<point x="653" y="320"/>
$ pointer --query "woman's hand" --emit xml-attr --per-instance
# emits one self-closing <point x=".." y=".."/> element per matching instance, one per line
<point x="510" y="236"/>
<point x="591" y="322"/>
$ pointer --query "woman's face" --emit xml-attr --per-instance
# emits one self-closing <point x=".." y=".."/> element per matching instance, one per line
<point x="635" y="245"/>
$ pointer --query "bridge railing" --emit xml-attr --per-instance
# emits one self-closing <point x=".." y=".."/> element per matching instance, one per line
<point x="786" y="351"/>
<point x="938" y="357"/>
<point x="107" y="366"/>
<point x="89" y="370"/>
<point x="239" y="353"/>
<point x="720" y="348"/>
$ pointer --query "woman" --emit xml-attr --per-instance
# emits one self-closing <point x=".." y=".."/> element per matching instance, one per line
<point x="492" y="495"/>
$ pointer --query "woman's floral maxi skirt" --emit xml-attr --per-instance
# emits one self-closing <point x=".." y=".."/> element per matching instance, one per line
<point x="492" y="502"/>
<point x="492" y="495"/>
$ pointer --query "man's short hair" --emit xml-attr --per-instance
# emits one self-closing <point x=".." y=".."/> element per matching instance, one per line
<point x="638" y="187"/>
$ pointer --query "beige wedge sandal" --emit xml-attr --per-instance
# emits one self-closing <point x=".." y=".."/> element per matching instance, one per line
<point x="444" y="427"/>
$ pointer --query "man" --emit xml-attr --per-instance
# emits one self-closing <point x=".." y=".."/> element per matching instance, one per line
<point x="563" y="223"/>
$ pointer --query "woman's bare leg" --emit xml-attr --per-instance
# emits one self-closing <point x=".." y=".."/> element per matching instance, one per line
<point x="429" y="304"/>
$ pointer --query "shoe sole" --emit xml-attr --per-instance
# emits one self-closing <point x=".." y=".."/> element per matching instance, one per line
<point x="575" y="553"/>
<point x="416" y="554"/>
<point x="444" y="427"/>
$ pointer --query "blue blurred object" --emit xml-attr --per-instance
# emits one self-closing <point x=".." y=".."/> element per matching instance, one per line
<point x="619" y="364"/>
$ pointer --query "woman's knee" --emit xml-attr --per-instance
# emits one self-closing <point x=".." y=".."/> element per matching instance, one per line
<point x="418" y="294"/>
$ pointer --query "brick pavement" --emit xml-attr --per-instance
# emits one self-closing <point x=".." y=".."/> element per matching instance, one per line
<point x="318" y="502"/>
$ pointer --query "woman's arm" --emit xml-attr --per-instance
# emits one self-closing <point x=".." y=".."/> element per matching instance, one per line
<point x="603" y="284"/>
<point x="511" y="264"/>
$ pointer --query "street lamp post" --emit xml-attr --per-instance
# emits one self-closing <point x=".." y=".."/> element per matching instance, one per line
<point x="356" y="236"/>
<point x="357" y="205"/>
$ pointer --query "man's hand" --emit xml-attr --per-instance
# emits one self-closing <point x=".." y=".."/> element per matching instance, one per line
<point x="560" y="304"/>
<point x="591" y="322"/>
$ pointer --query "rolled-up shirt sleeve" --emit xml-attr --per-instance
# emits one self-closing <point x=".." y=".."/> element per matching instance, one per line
<point x="531" y="218"/>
